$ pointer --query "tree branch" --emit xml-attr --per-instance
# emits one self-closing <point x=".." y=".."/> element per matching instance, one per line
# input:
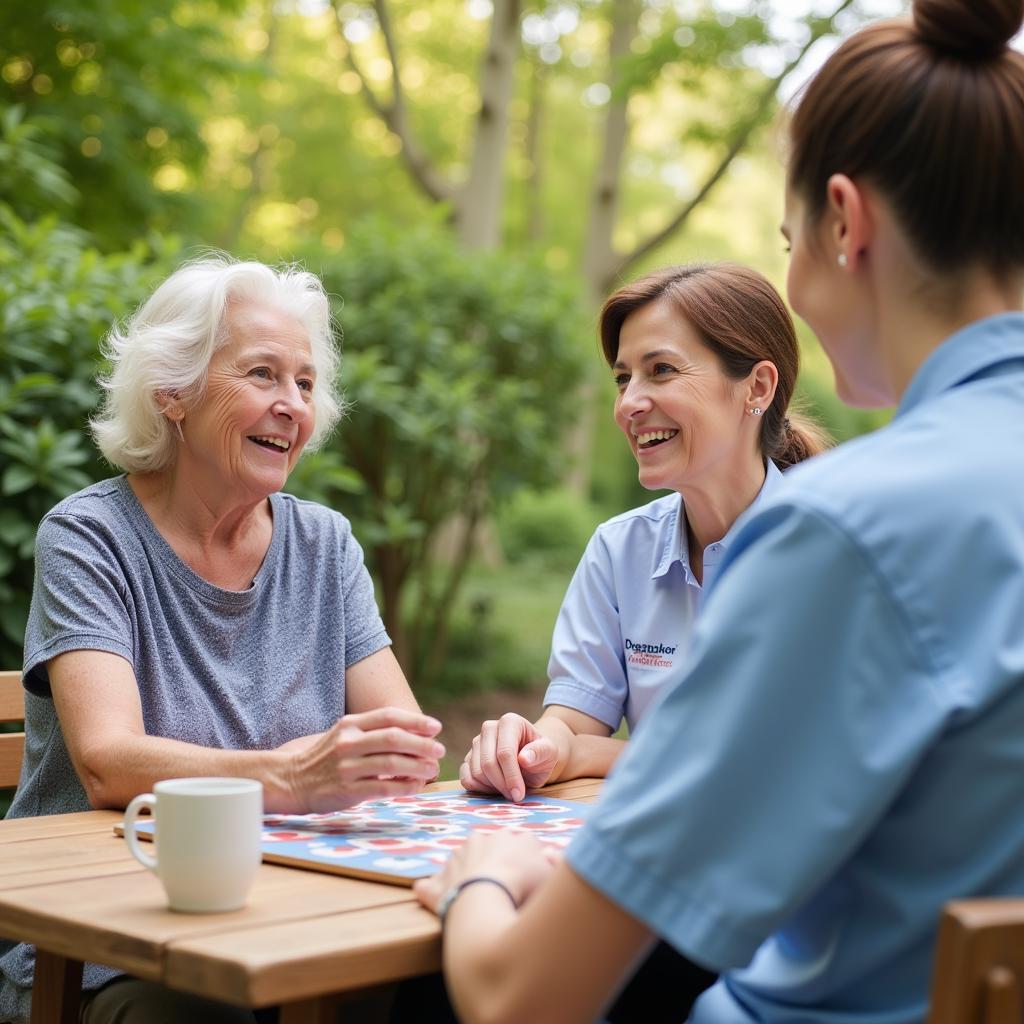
<point x="394" y="114"/>
<point x="736" y="144"/>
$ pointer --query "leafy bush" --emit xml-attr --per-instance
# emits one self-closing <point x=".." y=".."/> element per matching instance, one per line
<point x="120" y="90"/>
<point x="501" y="629"/>
<point x="31" y="178"/>
<point x="842" y="421"/>
<point x="552" y="527"/>
<point x="58" y="297"/>
<point x="460" y="368"/>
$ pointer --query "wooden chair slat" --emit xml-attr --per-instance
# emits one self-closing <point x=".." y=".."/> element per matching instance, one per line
<point x="12" y="744"/>
<point x="1002" y="997"/>
<point x="12" y="697"/>
<point x="979" y="963"/>
<point x="12" y="749"/>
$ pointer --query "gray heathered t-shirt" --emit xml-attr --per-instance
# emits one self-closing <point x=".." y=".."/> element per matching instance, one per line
<point x="244" y="670"/>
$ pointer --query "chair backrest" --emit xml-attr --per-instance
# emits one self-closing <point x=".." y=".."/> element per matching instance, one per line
<point x="979" y="963"/>
<point x="12" y="744"/>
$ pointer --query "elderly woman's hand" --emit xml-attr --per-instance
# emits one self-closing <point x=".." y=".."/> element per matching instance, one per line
<point x="380" y="753"/>
<point x="516" y="860"/>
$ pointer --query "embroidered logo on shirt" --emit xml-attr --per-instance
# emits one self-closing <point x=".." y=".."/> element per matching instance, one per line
<point x="648" y="655"/>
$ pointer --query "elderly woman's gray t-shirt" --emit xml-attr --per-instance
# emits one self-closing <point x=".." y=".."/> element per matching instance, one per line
<point x="243" y="670"/>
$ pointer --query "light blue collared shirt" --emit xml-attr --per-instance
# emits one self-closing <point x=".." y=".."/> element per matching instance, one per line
<point x="627" y="619"/>
<point x="847" y="752"/>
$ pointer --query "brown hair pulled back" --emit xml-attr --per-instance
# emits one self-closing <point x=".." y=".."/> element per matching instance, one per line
<point x="930" y="111"/>
<point x="742" y="320"/>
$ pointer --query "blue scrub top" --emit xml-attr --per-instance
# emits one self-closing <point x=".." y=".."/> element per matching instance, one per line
<point x="847" y="752"/>
<point x="627" y="619"/>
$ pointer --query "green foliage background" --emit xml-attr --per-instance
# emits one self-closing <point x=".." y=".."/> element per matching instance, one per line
<point x="58" y="296"/>
<point x="133" y="133"/>
<point x="459" y="367"/>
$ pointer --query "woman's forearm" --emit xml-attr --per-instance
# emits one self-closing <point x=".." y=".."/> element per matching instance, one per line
<point x="558" y="960"/>
<point x="475" y="955"/>
<point x="120" y="770"/>
<point x="582" y="755"/>
<point x="592" y="756"/>
<point x="363" y="756"/>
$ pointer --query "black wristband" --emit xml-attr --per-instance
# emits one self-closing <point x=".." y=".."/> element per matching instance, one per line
<point x="446" y="901"/>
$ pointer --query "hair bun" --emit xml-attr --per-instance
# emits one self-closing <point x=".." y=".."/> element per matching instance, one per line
<point x="970" y="29"/>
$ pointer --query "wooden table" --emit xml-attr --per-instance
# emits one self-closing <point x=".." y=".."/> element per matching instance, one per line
<point x="69" y="886"/>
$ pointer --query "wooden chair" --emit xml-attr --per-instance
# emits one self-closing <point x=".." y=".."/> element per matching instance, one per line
<point x="12" y="744"/>
<point x="57" y="992"/>
<point x="979" y="963"/>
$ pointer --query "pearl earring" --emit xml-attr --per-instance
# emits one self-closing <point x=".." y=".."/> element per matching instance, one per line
<point x="841" y="259"/>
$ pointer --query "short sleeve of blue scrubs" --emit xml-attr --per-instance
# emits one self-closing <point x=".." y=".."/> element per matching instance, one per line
<point x="716" y="849"/>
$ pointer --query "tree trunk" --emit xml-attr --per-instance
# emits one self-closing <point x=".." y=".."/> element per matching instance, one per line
<point x="392" y="576"/>
<point x="599" y="257"/>
<point x="479" y="204"/>
<point x="470" y="521"/>
<point x="535" y="153"/>
<point x="259" y="161"/>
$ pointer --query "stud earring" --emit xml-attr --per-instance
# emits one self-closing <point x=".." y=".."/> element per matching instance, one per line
<point x="756" y="411"/>
<point x="841" y="259"/>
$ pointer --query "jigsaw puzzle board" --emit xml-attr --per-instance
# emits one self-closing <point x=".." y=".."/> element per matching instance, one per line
<point x="404" y="838"/>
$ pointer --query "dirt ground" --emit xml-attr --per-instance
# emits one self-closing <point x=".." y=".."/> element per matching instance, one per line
<point x="462" y="718"/>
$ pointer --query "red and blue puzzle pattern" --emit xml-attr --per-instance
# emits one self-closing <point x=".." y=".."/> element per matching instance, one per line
<point x="410" y="837"/>
<point x="407" y="837"/>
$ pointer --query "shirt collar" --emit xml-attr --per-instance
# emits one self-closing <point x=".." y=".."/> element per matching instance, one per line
<point x="966" y="354"/>
<point x="671" y="548"/>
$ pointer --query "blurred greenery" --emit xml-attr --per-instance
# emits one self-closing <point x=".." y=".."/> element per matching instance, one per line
<point x="546" y="528"/>
<point x="58" y="296"/>
<point x="451" y="363"/>
<point x="132" y="132"/>
<point x="121" y="87"/>
<point x="501" y="632"/>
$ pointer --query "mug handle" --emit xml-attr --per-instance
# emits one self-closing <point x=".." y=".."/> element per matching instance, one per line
<point x="130" y="816"/>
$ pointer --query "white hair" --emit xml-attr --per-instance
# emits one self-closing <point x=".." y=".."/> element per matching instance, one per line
<point x="166" y="346"/>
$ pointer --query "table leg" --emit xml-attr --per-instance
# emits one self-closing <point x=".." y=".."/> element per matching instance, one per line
<point x="308" y="1011"/>
<point x="56" y="989"/>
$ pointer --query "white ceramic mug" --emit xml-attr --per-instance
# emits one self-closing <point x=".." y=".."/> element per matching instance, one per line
<point x="207" y="836"/>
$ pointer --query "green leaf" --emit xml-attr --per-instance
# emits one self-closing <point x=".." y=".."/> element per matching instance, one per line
<point x="16" y="479"/>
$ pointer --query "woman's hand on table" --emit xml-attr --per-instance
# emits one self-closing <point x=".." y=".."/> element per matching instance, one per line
<point x="511" y="755"/>
<point x="366" y="756"/>
<point x="516" y="860"/>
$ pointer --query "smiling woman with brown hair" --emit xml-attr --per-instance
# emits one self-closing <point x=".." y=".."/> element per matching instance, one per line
<point x="190" y="619"/>
<point x="705" y="361"/>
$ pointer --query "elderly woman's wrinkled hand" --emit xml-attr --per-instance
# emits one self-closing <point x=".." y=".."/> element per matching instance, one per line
<point x="381" y="753"/>
<point x="508" y="757"/>
<point x="516" y="860"/>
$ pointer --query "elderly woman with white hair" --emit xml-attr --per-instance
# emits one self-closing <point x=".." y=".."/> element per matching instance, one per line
<point x="190" y="619"/>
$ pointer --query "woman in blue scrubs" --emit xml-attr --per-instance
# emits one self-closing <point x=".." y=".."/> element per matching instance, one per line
<point x="852" y="712"/>
<point x="704" y="360"/>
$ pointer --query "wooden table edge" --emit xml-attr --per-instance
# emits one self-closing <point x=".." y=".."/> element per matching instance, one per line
<point x="264" y="980"/>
